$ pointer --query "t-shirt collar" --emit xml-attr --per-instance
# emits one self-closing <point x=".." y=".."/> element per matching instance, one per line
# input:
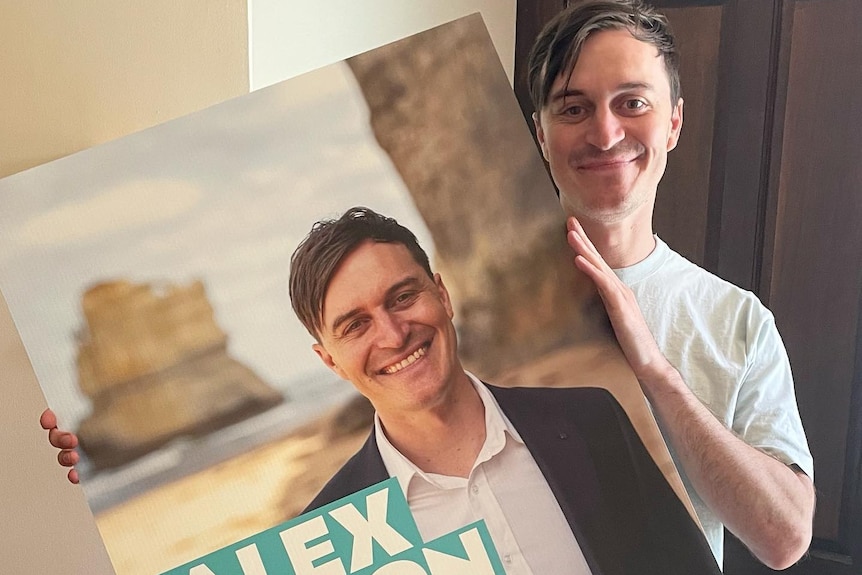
<point x="632" y="274"/>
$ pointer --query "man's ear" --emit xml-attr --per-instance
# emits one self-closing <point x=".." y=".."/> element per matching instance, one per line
<point x="444" y="295"/>
<point x="327" y="359"/>
<point x="540" y="134"/>
<point x="675" y="126"/>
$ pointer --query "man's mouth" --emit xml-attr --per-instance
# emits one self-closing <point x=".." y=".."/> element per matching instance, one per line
<point x="592" y="159"/>
<point x="608" y="164"/>
<point x="409" y="360"/>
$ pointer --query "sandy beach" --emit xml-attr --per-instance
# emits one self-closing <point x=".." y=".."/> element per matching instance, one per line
<point x="198" y="514"/>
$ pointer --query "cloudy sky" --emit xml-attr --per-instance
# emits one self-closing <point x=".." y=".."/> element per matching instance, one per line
<point x="223" y="195"/>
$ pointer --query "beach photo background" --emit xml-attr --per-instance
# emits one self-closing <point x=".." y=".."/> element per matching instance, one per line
<point x="222" y="197"/>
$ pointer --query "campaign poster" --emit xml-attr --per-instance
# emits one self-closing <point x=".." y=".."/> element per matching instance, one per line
<point x="147" y="279"/>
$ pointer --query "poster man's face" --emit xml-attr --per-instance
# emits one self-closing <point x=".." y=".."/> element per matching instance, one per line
<point x="387" y="328"/>
<point x="606" y="129"/>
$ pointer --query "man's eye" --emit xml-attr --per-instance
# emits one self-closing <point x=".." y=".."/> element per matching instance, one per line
<point x="573" y="111"/>
<point x="634" y="105"/>
<point x="353" y="326"/>
<point x="405" y="297"/>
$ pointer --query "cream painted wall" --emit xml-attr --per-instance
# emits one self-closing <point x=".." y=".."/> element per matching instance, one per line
<point x="289" y="38"/>
<point x="77" y="74"/>
<point x="73" y="75"/>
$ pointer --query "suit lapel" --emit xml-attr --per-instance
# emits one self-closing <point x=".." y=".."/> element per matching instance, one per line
<point x="562" y="453"/>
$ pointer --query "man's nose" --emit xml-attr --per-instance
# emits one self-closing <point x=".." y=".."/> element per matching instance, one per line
<point x="392" y="332"/>
<point x="605" y="130"/>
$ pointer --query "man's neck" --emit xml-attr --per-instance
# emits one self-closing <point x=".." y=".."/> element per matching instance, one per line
<point x="445" y="439"/>
<point x="621" y="244"/>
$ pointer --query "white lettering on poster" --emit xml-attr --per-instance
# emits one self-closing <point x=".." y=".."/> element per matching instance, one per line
<point x="301" y="556"/>
<point x="250" y="560"/>
<point x="366" y="530"/>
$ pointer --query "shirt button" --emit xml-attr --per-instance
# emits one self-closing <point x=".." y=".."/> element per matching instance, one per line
<point x="507" y="558"/>
<point x="475" y="489"/>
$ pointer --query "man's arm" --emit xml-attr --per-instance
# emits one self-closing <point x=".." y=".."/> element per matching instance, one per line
<point x="64" y="440"/>
<point x="765" y="503"/>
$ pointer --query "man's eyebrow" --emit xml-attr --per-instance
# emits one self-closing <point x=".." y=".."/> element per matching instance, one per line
<point x="348" y="315"/>
<point x="410" y="280"/>
<point x="563" y="94"/>
<point x="625" y="86"/>
<point x="635" y="86"/>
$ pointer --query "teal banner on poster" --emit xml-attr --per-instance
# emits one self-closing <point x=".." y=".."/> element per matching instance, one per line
<point x="370" y="532"/>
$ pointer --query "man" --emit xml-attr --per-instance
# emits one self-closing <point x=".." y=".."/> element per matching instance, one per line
<point x="604" y="81"/>
<point x="559" y="476"/>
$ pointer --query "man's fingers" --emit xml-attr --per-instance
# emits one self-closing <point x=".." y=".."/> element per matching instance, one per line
<point x="582" y="245"/>
<point x="65" y="441"/>
<point x="62" y="439"/>
<point x="591" y="271"/>
<point x="48" y="419"/>
<point x="578" y="243"/>
<point x="68" y="458"/>
<point x="57" y="438"/>
<point x="575" y="227"/>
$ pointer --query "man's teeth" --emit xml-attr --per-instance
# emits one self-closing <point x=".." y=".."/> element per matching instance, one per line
<point x="396" y="367"/>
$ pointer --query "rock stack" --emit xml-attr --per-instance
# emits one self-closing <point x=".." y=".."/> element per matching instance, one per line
<point x="155" y="365"/>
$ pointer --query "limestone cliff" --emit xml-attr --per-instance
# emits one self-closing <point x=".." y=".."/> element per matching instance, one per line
<point x="440" y="106"/>
<point x="155" y="365"/>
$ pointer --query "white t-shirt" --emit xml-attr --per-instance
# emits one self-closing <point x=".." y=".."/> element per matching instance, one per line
<point x="725" y="345"/>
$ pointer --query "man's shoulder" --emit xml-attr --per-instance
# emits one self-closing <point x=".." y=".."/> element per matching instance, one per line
<point x="363" y="469"/>
<point x="550" y="393"/>
<point x="680" y="269"/>
<point x="573" y="403"/>
<point x="679" y="286"/>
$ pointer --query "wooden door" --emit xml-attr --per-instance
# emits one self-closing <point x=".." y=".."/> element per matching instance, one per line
<point x="765" y="190"/>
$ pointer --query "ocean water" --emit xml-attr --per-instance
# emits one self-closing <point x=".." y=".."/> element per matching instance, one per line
<point x="310" y="398"/>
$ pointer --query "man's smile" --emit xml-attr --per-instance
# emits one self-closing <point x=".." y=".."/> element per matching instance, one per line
<point x="407" y="361"/>
<point x="606" y="164"/>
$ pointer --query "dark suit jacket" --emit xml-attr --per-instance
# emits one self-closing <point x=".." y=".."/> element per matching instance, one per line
<point x="622" y="511"/>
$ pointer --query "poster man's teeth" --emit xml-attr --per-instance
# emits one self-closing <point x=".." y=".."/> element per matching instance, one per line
<point x="394" y="368"/>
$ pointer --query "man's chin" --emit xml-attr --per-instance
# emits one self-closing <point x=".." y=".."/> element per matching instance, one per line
<point x="609" y="210"/>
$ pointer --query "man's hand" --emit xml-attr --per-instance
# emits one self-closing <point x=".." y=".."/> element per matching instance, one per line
<point x="65" y="441"/>
<point x="764" y="502"/>
<point x="633" y="335"/>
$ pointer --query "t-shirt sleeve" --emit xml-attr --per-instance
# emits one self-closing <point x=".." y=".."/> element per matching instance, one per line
<point x="767" y="416"/>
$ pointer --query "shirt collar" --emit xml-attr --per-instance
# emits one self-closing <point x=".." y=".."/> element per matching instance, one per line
<point x="635" y="273"/>
<point x="497" y="426"/>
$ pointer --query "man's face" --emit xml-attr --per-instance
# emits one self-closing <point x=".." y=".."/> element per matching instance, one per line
<point x="606" y="129"/>
<point x="387" y="328"/>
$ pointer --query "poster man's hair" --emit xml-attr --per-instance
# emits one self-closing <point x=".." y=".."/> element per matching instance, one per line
<point x="318" y="256"/>
<point x="559" y="44"/>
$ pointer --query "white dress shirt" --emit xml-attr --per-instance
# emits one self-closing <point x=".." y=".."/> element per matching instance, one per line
<point x="505" y="488"/>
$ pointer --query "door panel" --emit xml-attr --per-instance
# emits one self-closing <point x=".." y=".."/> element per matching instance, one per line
<point x="682" y="200"/>
<point x="815" y="276"/>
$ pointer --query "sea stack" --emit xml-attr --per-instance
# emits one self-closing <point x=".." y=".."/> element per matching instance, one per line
<point x="155" y="365"/>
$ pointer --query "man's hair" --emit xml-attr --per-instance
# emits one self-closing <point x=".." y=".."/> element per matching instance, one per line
<point x="559" y="44"/>
<point x="327" y="244"/>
